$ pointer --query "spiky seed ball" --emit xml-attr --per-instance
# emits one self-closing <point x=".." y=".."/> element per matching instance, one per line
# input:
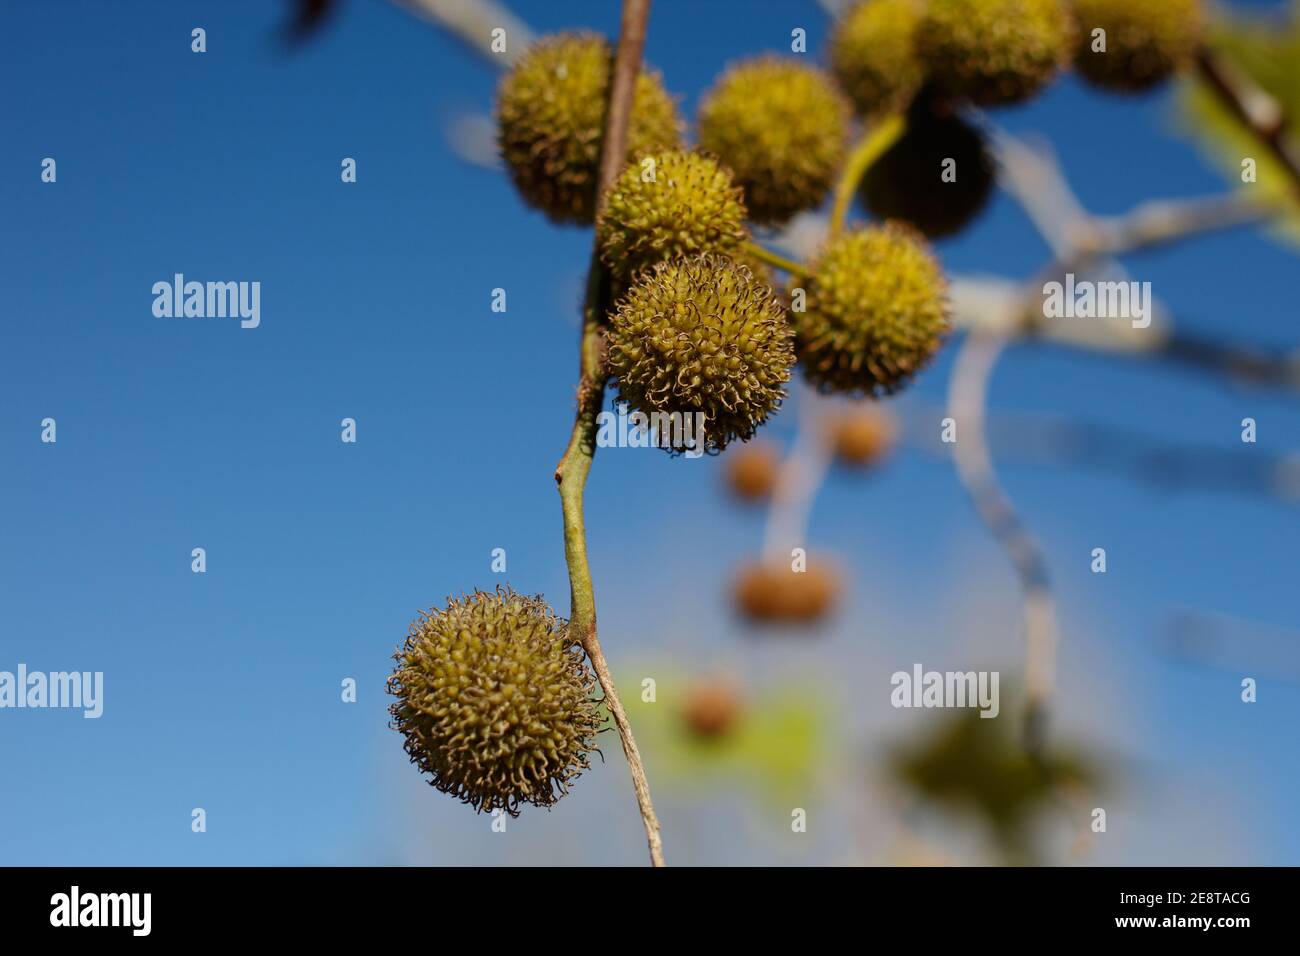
<point x="701" y="336"/>
<point x="667" y="205"/>
<point x="1145" y="42"/>
<point x="914" y="181"/>
<point x="779" y="125"/>
<point x="773" y="593"/>
<point x="862" y="437"/>
<point x="752" y="471"/>
<point x="873" y="54"/>
<point x="711" y="709"/>
<point x="994" y="52"/>
<point x="876" y="311"/>
<point x="495" y="701"/>
<point x="551" y="122"/>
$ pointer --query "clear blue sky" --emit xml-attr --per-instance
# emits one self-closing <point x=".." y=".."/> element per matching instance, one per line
<point x="222" y="689"/>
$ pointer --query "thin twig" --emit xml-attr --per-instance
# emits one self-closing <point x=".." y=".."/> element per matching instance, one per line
<point x="571" y="473"/>
<point x="967" y="396"/>
<point x="763" y="254"/>
<point x="1255" y="107"/>
<point x="871" y="147"/>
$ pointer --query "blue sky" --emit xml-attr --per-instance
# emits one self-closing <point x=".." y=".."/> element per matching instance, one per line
<point x="222" y="689"/>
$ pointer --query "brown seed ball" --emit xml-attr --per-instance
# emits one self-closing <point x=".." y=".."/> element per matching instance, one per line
<point x="862" y="437"/>
<point x="772" y="593"/>
<point x="752" y="471"/>
<point x="938" y="177"/>
<point x="711" y="709"/>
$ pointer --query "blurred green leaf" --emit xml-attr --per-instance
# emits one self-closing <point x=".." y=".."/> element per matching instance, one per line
<point x="776" y="745"/>
<point x="976" y="765"/>
<point x="1269" y="53"/>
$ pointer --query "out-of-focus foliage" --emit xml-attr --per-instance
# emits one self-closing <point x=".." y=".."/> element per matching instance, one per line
<point x="775" y="746"/>
<point x="968" y="763"/>
<point x="1269" y="53"/>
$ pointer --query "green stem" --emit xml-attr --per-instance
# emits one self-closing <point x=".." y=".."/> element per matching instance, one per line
<point x="571" y="473"/>
<point x="875" y="141"/>
<point x="763" y="254"/>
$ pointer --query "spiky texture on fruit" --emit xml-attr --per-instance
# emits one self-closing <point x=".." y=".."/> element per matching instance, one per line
<point x="1145" y="42"/>
<point x="667" y="205"/>
<point x="773" y="593"/>
<point x="495" y="701"/>
<point x="752" y="471"/>
<point x="711" y="709"/>
<point x="862" y="436"/>
<point x="701" y="336"/>
<point x="551" y="122"/>
<point x="876" y="311"/>
<point x="779" y="125"/>
<point x="873" y="54"/>
<point x="994" y="52"/>
<point x="908" y="181"/>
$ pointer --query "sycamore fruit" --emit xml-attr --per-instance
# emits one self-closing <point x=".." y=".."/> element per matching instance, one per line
<point x="873" y="54"/>
<point x="703" y="339"/>
<point x="779" y="125"/>
<point x="752" y="471"/>
<point x="994" y="52"/>
<point x="861" y="437"/>
<point x="937" y="177"/>
<point x="773" y="593"/>
<point x="495" y="700"/>
<point x="668" y="205"/>
<point x="551" y="122"/>
<point x="1142" y="43"/>
<point x="876" y="311"/>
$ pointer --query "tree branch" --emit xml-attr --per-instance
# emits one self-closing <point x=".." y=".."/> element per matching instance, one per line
<point x="571" y="473"/>
<point x="967" y="397"/>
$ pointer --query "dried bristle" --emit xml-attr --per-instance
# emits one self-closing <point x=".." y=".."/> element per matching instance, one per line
<point x="876" y="313"/>
<point x="667" y="205"/>
<point x="873" y="54"/>
<point x="495" y="701"/>
<point x="551" y="118"/>
<point x="779" y="125"/>
<point x="702" y="336"/>
<point x="1146" y="42"/>
<point x="994" y="52"/>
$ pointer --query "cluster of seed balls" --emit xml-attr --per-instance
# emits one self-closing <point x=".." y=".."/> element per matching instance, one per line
<point x="494" y="698"/>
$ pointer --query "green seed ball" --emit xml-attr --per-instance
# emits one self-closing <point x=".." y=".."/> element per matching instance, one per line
<point x="702" y="336"/>
<point x="1146" y="42"/>
<point x="495" y="700"/>
<point x="780" y="126"/>
<point x="994" y="52"/>
<point x="937" y="177"/>
<point x="876" y="311"/>
<point x="668" y="205"/>
<point x="873" y="54"/>
<point x="551" y="122"/>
